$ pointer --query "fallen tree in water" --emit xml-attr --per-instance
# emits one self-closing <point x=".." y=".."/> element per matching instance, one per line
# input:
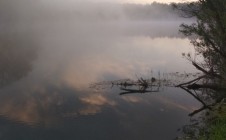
<point x="199" y="86"/>
<point x="129" y="86"/>
<point x="193" y="84"/>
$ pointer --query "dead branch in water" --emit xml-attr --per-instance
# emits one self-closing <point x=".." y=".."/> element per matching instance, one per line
<point x="192" y="81"/>
<point x="210" y="73"/>
<point x="131" y="91"/>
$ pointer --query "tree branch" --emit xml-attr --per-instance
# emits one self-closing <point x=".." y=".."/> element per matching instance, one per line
<point x="212" y="74"/>
<point x="203" y="76"/>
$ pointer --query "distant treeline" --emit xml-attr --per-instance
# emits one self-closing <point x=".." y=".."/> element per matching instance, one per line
<point x="25" y="10"/>
<point x="151" y="11"/>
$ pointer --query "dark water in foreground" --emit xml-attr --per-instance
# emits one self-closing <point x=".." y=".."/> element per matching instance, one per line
<point x="46" y="73"/>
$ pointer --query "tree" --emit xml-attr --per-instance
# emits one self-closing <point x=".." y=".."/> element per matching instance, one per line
<point x="208" y="35"/>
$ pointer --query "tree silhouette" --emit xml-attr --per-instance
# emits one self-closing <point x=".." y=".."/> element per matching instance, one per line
<point x="208" y="35"/>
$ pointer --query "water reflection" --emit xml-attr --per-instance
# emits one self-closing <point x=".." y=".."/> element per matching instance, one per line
<point x="119" y="60"/>
<point x="53" y="101"/>
<point x="55" y="95"/>
<point x="48" y="106"/>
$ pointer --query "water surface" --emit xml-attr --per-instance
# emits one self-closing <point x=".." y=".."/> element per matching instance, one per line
<point x="50" y="97"/>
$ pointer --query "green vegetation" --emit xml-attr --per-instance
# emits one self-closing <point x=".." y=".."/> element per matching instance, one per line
<point x="218" y="130"/>
<point x="215" y="125"/>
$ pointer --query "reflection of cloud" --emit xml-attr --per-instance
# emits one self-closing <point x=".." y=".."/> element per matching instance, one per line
<point x="90" y="110"/>
<point x="132" y="99"/>
<point x="97" y="100"/>
<point x="94" y="104"/>
<point x="26" y="113"/>
<point x="32" y="105"/>
<point x="80" y="75"/>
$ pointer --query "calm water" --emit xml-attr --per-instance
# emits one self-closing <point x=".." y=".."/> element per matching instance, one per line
<point x="45" y="92"/>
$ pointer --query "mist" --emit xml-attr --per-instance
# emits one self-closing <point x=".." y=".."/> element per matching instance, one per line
<point x="33" y="11"/>
<point x="51" y="51"/>
<point x="87" y="41"/>
<point x="86" y="18"/>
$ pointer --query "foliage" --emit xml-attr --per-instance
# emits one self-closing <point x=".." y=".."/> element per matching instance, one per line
<point x="217" y="125"/>
<point x="208" y="35"/>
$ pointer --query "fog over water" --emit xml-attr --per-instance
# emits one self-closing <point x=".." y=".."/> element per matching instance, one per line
<point x="97" y="36"/>
<point x="68" y="45"/>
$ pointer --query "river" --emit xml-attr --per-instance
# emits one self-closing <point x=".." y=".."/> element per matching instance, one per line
<point x="50" y="97"/>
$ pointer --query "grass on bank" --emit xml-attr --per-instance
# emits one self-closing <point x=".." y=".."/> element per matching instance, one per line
<point x="217" y="126"/>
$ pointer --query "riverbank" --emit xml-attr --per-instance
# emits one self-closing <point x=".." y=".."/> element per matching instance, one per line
<point x="215" y="128"/>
